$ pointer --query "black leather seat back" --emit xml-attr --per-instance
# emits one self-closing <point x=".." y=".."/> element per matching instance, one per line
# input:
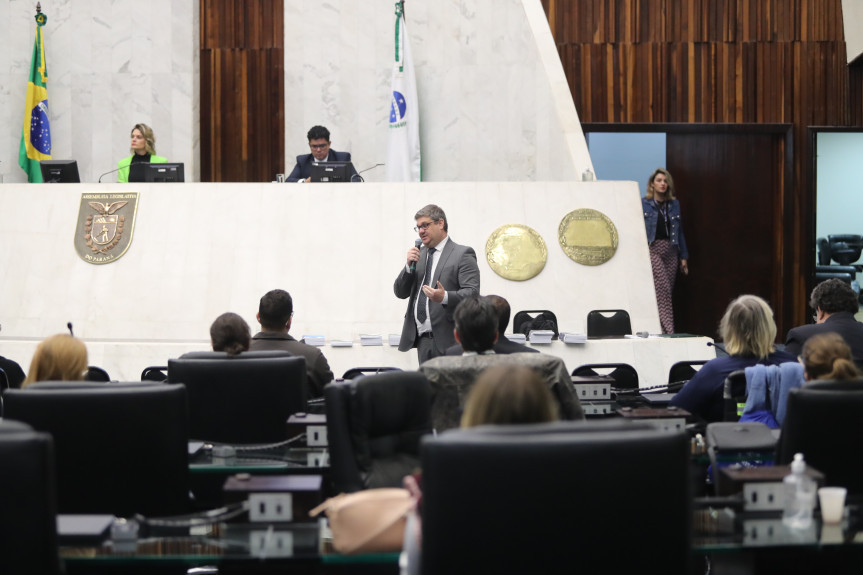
<point x="28" y="501"/>
<point x="608" y="323"/>
<point x="392" y="411"/>
<point x="241" y="399"/>
<point x="121" y="448"/>
<point x="374" y="426"/>
<point x="823" y="421"/>
<point x="624" y="375"/>
<point x="556" y="498"/>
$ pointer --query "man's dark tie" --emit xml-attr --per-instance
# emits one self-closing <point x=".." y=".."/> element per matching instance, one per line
<point x="422" y="298"/>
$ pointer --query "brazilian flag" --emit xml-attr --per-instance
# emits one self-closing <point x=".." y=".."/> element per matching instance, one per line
<point x="36" y="135"/>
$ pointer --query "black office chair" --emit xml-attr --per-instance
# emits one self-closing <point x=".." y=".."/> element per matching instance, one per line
<point x="95" y="373"/>
<point x="845" y="249"/>
<point x="245" y="398"/>
<point x="355" y="372"/>
<point x="608" y="323"/>
<point x="681" y="372"/>
<point x="822" y="421"/>
<point x="28" y="499"/>
<point x="121" y="448"/>
<point x="4" y="381"/>
<point x="623" y="374"/>
<point x="374" y="425"/>
<point x="556" y="498"/>
<point x="734" y="395"/>
<point x="531" y="319"/>
<point x="155" y="373"/>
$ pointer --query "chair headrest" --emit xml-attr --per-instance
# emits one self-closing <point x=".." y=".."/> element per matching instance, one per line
<point x="10" y="426"/>
<point x="243" y="355"/>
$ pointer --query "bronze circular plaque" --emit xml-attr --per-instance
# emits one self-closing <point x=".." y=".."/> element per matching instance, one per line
<point x="588" y="237"/>
<point x="516" y="252"/>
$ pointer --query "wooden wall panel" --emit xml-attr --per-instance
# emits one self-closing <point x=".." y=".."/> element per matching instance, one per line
<point x="724" y="62"/>
<point x="242" y="90"/>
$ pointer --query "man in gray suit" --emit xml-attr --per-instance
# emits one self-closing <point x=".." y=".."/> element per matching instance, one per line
<point x="435" y="279"/>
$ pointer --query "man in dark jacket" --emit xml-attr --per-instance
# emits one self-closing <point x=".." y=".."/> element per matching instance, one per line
<point x="835" y="304"/>
<point x="319" y="144"/>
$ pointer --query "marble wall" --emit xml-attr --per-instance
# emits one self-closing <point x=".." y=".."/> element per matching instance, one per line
<point x="203" y="249"/>
<point x="111" y="64"/>
<point x="494" y="101"/>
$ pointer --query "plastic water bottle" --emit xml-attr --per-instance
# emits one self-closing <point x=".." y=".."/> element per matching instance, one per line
<point x="799" y="495"/>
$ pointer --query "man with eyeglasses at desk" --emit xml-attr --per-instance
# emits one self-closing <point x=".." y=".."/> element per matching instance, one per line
<point x="439" y="273"/>
<point x="319" y="144"/>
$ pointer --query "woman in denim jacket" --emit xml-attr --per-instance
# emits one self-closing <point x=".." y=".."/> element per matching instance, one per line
<point x="667" y="243"/>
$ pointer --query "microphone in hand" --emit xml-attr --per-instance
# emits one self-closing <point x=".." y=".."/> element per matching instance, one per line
<point x="417" y="243"/>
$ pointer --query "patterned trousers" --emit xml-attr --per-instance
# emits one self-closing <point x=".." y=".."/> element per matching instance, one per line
<point x="664" y="260"/>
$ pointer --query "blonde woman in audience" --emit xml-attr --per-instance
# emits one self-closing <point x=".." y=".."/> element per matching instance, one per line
<point x="749" y="332"/>
<point x="58" y="358"/>
<point x="509" y="394"/>
<point x="230" y="333"/>
<point x="827" y="356"/>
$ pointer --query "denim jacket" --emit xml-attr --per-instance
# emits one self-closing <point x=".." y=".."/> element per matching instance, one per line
<point x="651" y="217"/>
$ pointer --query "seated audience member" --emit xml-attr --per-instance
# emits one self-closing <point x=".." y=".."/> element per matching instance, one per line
<point x="827" y="356"/>
<point x="502" y="345"/>
<point x="319" y="144"/>
<point x="275" y="313"/>
<point x="502" y="395"/>
<point x="505" y="394"/>
<point x="835" y="304"/>
<point x="13" y="371"/>
<point x="451" y="377"/>
<point x="748" y="331"/>
<point x="230" y="333"/>
<point x="143" y="148"/>
<point x="60" y="357"/>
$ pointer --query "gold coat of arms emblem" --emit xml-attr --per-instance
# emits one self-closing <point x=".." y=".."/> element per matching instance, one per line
<point x="588" y="236"/>
<point x="105" y="226"/>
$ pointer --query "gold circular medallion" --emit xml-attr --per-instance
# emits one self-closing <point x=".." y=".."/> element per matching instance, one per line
<point x="588" y="237"/>
<point x="516" y="252"/>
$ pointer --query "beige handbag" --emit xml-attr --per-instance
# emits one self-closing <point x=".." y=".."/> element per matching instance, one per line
<point x="370" y="521"/>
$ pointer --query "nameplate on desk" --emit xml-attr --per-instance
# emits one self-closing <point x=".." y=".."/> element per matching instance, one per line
<point x="81" y="529"/>
<point x="540" y="336"/>
<point x="573" y="338"/>
<point x="371" y="339"/>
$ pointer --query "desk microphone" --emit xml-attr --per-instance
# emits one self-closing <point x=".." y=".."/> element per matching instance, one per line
<point x="719" y="347"/>
<point x="69" y="325"/>
<point x="361" y="179"/>
<point x="417" y="243"/>
<point x="111" y="172"/>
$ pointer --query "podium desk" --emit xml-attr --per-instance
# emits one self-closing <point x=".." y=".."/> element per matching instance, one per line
<point x="652" y="357"/>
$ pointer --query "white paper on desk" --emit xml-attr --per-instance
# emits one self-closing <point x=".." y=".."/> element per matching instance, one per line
<point x="371" y="339"/>
<point x="540" y="336"/>
<point x="341" y="343"/>
<point x="315" y="340"/>
<point x="569" y="337"/>
<point x="516" y="337"/>
<point x="395" y="339"/>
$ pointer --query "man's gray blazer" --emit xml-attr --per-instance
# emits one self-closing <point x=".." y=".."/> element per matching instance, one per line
<point x="458" y="273"/>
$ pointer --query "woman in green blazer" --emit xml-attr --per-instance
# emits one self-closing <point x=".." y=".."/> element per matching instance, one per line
<point x="143" y="150"/>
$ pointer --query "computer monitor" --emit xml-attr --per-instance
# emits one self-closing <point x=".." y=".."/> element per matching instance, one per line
<point x="147" y="172"/>
<point x="60" y="172"/>
<point x="331" y="171"/>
